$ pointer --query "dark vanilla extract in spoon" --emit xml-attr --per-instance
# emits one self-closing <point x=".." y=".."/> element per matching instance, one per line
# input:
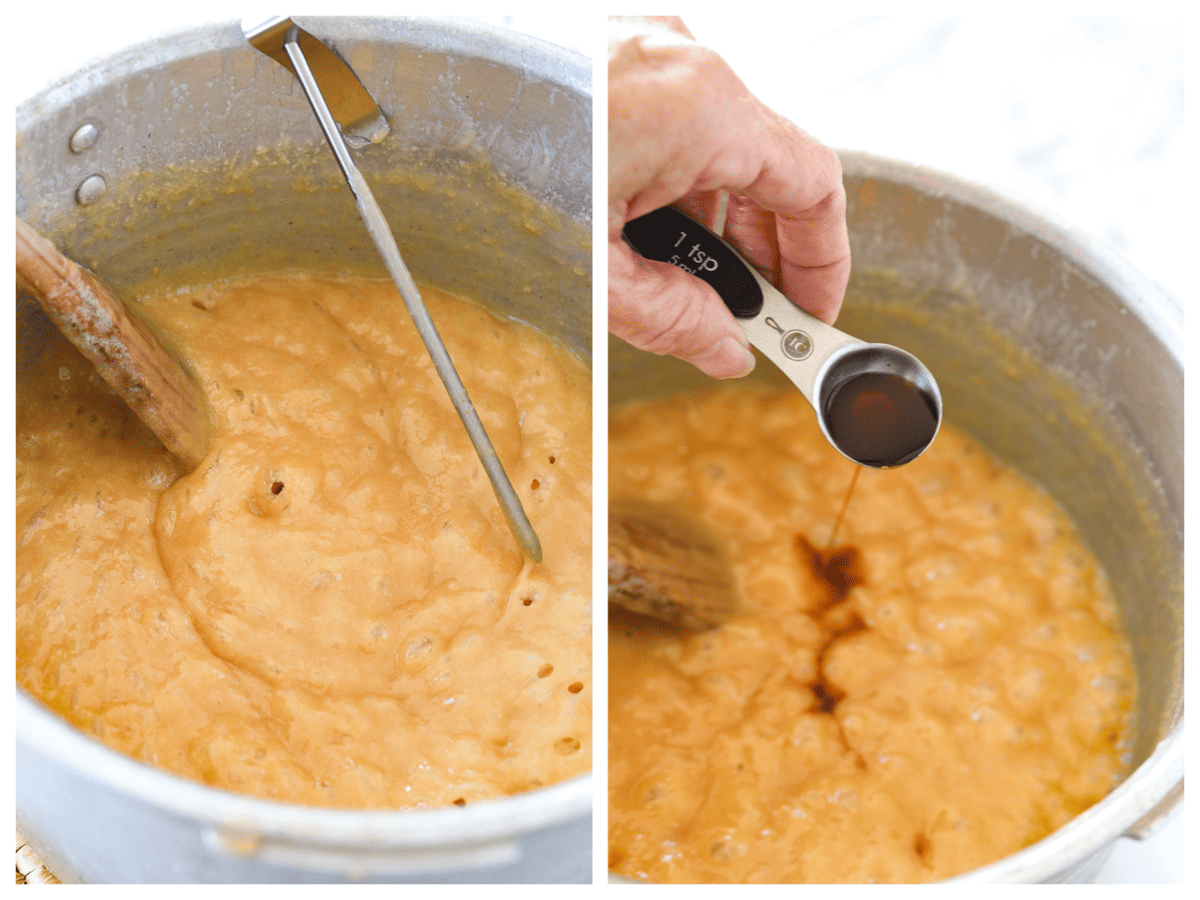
<point x="880" y="419"/>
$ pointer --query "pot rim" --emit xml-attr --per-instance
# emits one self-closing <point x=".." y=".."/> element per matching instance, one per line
<point x="571" y="70"/>
<point x="46" y="733"/>
<point x="1160" y="311"/>
<point x="1149" y="790"/>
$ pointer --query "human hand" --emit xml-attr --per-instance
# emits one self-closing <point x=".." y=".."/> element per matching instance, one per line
<point x="682" y="128"/>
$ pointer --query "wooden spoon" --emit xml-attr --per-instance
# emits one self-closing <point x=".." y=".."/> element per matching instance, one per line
<point x="663" y="566"/>
<point x="126" y="353"/>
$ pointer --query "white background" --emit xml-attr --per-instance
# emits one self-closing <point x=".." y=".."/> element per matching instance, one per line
<point x="1082" y="117"/>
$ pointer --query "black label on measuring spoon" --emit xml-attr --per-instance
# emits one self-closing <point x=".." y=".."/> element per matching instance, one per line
<point x="669" y="236"/>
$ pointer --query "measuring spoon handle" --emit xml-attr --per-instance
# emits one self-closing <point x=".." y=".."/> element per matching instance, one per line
<point x="795" y="341"/>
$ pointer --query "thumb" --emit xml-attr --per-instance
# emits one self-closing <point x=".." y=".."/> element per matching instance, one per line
<point x="659" y="308"/>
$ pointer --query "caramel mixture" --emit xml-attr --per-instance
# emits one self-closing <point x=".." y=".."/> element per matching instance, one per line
<point x="946" y="685"/>
<point x="331" y="609"/>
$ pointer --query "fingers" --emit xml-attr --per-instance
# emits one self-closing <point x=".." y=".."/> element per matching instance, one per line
<point x="682" y="127"/>
<point x="750" y="229"/>
<point x="700" y="206"/>
<point x="666" y="114"/>
<point x="814" y="252"/>
<point x="806" y="257"/>
<point x="790" y="222"/>
<point x="661" y="309"/>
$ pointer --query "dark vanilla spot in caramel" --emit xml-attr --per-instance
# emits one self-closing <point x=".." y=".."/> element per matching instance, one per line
<point x="838" y="569"/>
<point x="733" y="756"/>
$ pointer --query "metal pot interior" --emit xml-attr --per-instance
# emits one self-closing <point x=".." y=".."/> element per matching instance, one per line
<point x="213" y="163"/>
<point x="214" y="166"/>
<point x="1062" y="361"/>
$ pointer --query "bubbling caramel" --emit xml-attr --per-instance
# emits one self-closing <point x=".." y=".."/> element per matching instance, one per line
<point x="331" y="609"/>
<point x="945" y="685"/>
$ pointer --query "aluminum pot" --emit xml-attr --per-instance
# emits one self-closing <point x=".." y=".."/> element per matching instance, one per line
<point x="193" y="157"/>
<point x="1068" y="364"/>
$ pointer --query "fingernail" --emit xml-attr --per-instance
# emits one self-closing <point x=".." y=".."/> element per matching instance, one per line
<point x="731" y="359"/>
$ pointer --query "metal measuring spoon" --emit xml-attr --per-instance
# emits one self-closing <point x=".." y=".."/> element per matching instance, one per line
<point x="363" y="123"/>
<point x="876" y="404"/>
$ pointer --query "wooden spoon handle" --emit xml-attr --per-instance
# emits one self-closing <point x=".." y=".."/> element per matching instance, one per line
<point x="661" y="565"/>
<point x="123" y="349"/>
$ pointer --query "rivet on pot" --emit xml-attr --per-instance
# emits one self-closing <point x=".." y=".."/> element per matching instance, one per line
<point x="84" y="138"/>
<point x="90" y="190"/>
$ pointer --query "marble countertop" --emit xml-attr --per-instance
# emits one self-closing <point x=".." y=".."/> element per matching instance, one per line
<point x="1081" y="117"/>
